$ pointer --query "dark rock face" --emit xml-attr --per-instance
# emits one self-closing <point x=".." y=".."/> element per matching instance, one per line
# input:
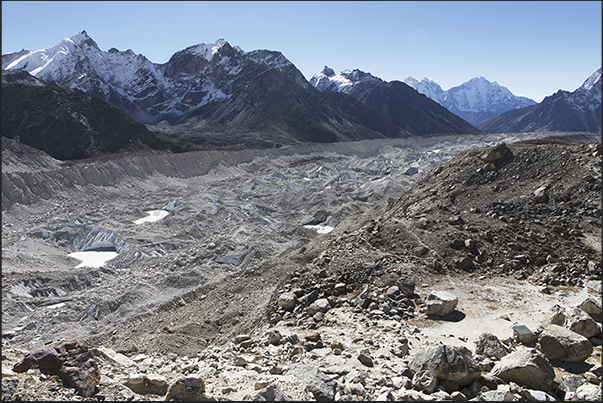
<point x="65" y="124"/>
<point x="408" y="109"/>
<point x="70" y="360"/>
<point x="577" y="111"/>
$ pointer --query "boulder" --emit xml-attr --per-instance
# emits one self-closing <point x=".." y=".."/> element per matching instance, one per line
<point x="527" y="367"/>
<point x="495" y="153"/>
<point x="270" y="393"/>
<point x="315" y="382"/>
<point x="287" y="301"/>
<point x="70" y="360"/>
<point x="147" y="384"/>
<point x="589" y="392"/>
<point x="568" y="386"/>
<point x="320" y="305"/>
<point x="541" y="195"/>
<point x="559" y="343"/>
<point x="406" y="285"/>
<point x="490" y="346"/>
<point x="591" y="306"/>
<point x="574" y="319"/>
<point x="450" y="363"/>
<point x="440" y="303"/>
<point x="190" y="388"/>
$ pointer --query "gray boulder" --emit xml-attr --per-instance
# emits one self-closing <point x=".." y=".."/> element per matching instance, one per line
<point x="450" y="363"/>
<point x="320" y="305"/>
<point x="270" y="394"/>
<point x="591" y="306"/>
<point x="315" y="382"/>
<point x="490" y="346"/>
<point x="406" y="285"/>
<point x="559" y="343"/>
<point x="287" y="301"/>
<point x="440" y="303"/>
<point x="190" y="388"/>
<point x="574" y="319"/>
<point x="527" y="367"/>
<point x="147" y="384"/>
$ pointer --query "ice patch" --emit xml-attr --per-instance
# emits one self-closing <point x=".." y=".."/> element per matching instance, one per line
<point x="93" y="259"/>
<point x="320" y="229"/>
<point x="153" y="215"/>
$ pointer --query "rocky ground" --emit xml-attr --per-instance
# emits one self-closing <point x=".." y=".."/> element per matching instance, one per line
<point x="235" y="295"/>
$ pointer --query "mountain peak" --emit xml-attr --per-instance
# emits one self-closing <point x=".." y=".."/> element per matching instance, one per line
<point x="327" y="71"/>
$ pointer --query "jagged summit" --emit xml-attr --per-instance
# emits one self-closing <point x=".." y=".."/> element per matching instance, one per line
<point x="475" y="100"/>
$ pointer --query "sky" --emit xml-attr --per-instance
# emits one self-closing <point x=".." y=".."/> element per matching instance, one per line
<point x="534" y="48"/>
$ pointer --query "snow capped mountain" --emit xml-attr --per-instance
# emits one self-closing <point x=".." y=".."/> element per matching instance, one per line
<point x="326" y="79"/>
<point x="577" y="111"/>
<point x="427" y="87"/>
<point x="193" y="78"/>
<point x="474" y="100"/>
<point x="587" y="97"/>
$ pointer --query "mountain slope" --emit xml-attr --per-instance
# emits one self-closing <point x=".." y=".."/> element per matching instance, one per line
<point x="394" y="101"/>
<point x="475" y="100"/>
<point x="578" y="111"/>
<point x="65" y="124"/>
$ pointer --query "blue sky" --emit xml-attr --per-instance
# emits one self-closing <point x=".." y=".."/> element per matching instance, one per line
<point x="532" y="48"/>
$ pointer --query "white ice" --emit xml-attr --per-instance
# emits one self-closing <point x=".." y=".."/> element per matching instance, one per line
<point x="93" y="258"/>
<point x="153" y="215"/>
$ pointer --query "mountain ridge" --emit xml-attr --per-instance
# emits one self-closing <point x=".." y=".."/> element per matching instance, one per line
<point x="199" y="84"/>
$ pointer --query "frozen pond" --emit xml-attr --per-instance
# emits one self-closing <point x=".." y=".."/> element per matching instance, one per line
<point x="93" y="258"/>
<point x="153" y="215"/>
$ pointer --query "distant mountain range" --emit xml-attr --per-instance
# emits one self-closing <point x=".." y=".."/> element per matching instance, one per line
<point x="217" y="87"/>
<point x="222" y="91"/>
<point x="578" y="111"/>
<point x="475" y="100"/>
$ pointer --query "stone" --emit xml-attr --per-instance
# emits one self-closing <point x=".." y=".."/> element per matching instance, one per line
<point x="313" y="336"/>
<point x="559" y="343"/>
<point x="568" y="386"/>
<point x="365" y="359"/>
<point x="456" y="220"/>
<point x="114" y="357"/>
<point x="490" y="346"/>
<point x="527" y="367"/>
<point x="500" y="394"/>
<point x="274" y="337"/>
<point x="536" y="395"/>
<point x="440" y="303"/>
<point x="147" y="384"/>
<point x="241" y="338"/>
<point x="541" y="195"/>
<point x="287" y="301"/>
<point x="320" y="305"/>
<point x="318" y="384"/>
<point x="406" y="285"/>
<point x="339" y="289"/>
<point x="450" y="363"/>
<point x="70" y="360"/>
<point x="270" y="393"/>
<point x="591" y="306"/>
<point x="425" y="381"/>
<point x="589" y="392"/>
<point x="190" y="388"/>
<point x="495" y="153"/>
